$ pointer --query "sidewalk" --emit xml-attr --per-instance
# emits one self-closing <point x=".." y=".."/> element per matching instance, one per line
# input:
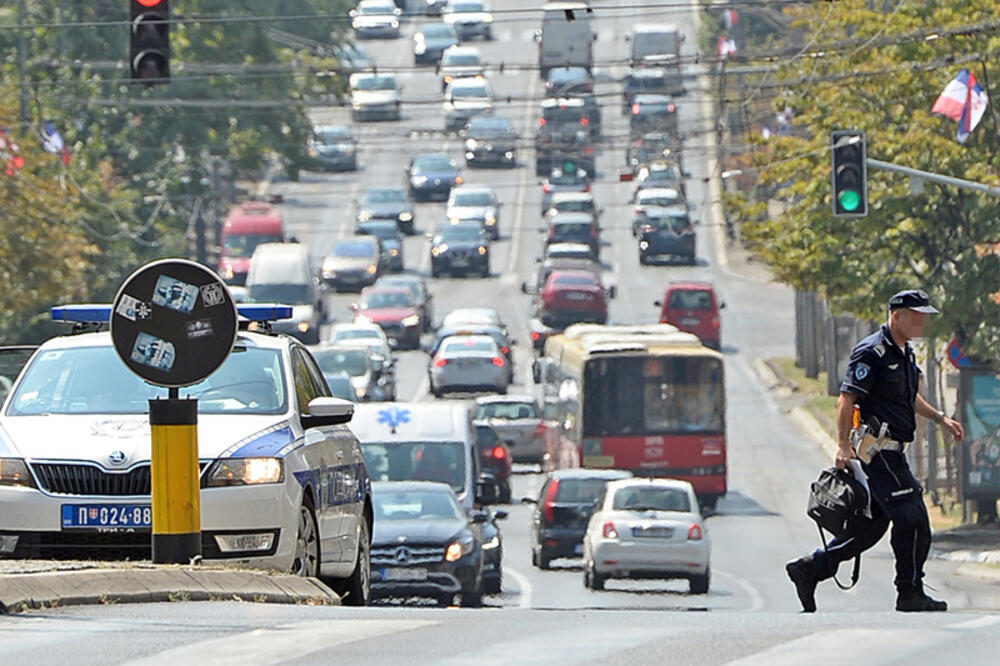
<point x="978" y="547"/>
<point x="33" y="584"/>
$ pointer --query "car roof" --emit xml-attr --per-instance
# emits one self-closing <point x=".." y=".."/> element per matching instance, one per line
<point x="585" y="473"/>
<point x="572" y="196"/>
<point x="411" y="421"/>
<point x="651" y="99"/>
<point x="353" y="326"/>
<point x="568" y="247"/>
<point x="463" y="50"/>
<point x="646" y="481"/>
<point x="571" y="217"/>
<point x="473" y="188"/>
<point x="469" y="338"/>
<point x="385" y="289"/>
<point x="510" y="397"/>
<point x="648" y="73"/>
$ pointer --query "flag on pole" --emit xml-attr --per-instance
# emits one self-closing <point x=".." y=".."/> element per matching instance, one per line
<point x="52" y="142"/>
<point x="964" y="102"/>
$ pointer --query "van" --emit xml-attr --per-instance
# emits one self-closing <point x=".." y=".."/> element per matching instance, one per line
<point x="282" y="273"/>
<point x="656" y="44"/>
<point x="564" y="43"/>
<point x="416" y="441"/>
<point x="693" y="307"/>
<point x="245" y="227"/>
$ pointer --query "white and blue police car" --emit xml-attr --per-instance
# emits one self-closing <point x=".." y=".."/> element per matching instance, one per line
<point x="283" y="480"/>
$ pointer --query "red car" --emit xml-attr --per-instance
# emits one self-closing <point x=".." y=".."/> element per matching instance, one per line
<point x="395" y="310"/>
<point x="570" y="297"/>
<point x="494" y="458"/>
<point x="693" y="307"/>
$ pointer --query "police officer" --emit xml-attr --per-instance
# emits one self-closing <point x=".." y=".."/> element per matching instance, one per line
<point x="883" y="379"/>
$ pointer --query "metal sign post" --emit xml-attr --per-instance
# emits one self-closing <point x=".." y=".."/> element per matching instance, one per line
<point x="173" y="323"/>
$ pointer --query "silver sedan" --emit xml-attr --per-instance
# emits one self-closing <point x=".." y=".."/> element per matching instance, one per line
<point x="647" y="528"/>
<point x="517" y="420"/>
<point x="468" y="363"/>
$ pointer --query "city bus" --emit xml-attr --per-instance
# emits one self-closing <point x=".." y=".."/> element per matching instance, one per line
<point x="649" y="399"/>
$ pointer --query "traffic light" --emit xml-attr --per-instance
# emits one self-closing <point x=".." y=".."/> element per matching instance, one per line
<point x="149" y="41"/>
<point x="850" y="173"/>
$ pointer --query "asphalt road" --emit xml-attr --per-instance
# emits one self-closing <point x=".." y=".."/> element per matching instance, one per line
<point x="751" y="611"/>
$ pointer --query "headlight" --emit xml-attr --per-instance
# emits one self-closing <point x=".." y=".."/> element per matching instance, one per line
<point x="372" y="269"/>
<point x="329" y="265"/>
<point x="229" y="272"/>
<point x="405" y="216"/>
<point x="491" y="218"/>
<point x="346" y="147"/>
<point x="418" y="180"/>
<point x="356" y="105"/>
<point x="458" y="180"/>
<point x="14" y="472"/>
<point x="365" y="215"/>
<point x="359" y="392"/>
<point x="643" y="244"/>
<point x="447" y="78"/>
<point x="313" y="152"/>
<point x="439" y="249"/>
<point x="394" y="23"/>
<point x="419" y="48"/>
<point x="412" y="320"/>
<point x="470" y="144"/>
<point x="244" y="472"/>
<point x="394" y="252"/>
<point x="481" y="249"/>
<point x="492" y="543"/>
<point x="456" y="549"/>
<point x="303" y="326"/>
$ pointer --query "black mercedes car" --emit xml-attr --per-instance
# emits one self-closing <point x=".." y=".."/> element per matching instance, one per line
<point x="460" y="247"/>
<point x="424" y="544"/>
<point x="387" y="203"/>
<point x="490" y="141"/>
<point x="562" y="511"/>
<point x="432" y="176"/>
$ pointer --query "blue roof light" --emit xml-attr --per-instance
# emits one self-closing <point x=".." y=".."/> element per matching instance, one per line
<point x="89" y="313"/>
<point x="264" y="311"/>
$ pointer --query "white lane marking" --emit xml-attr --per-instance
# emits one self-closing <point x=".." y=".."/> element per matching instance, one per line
<point x="756" y="600"/>
<point x="978" y="623"/>
<point x="423" y="388"/>
<point x="522" y="582"/>
<point x="849" y="646"/>
<point x="514" y="246"/>
<point x="280" y="644"/>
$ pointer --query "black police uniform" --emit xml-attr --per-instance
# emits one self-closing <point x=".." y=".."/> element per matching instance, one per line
<point x="885" y="379"/>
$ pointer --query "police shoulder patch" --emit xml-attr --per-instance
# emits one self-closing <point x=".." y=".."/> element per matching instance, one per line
<point x="861" y="371"/>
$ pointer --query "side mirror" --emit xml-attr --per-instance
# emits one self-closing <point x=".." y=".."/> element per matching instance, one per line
<point x="397" y="11"/>
<point x="327" y="411"/>
<point x="612" y="291"/>
<point x="378" y="365"/>
<point x="429" y="236"/>
<point x="479" y="517"/>
<point x="487" y="491"/>
<point x="658" y="304"/>
<point x="536" y="371"/>
<point x="500" y="515"/>
<point x="352" y="13"/>
<point x="538" y="36"/>
<point x="524" y="287"/>
<point x="722" y="305"/>
<point x="529" y="500"/>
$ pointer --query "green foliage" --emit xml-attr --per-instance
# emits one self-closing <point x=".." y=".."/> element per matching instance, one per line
<point x="873" y="75"/>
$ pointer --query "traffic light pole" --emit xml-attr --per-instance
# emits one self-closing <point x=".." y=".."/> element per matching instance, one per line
<point x="917" y="174"/>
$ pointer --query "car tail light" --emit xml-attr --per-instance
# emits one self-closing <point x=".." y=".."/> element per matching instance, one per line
<point x="534" y="335"/>
<point x="550" y="498"/>
<point x="440" y="362"/>
<point x="584" y="121"/>
<point x="671" y="108"/>
<point x="694" y="532"/>
<point x="715" y="322"/>
<point x="586" y="188"/>
<point x="552" y="232"/>
<point x="635" y="109"/>
<point x="540" y="428"/>
<point x="498" y="361"/>
<point x="505" y="350"/>
<point x="546" y="187"/>
<point x="593" y="232"/>
<point x="609" y="531"/>
<point x="499" y="453"/>
<point x="541" y="122"/>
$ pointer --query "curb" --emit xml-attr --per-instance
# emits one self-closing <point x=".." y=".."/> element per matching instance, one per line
<point x="50" y="589"/>
<point x="772" y="380"/>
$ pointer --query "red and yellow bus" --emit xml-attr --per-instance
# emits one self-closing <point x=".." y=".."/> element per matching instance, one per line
<point x="646" y="398"/>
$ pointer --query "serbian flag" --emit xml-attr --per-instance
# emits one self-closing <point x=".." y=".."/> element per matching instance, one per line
<point x="964" y="102"/>
<point x="52" y="142"/>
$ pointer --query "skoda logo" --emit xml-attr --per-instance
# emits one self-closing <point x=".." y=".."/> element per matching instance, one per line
<point x="402" y="555"/>
<point x="116" y="457"/>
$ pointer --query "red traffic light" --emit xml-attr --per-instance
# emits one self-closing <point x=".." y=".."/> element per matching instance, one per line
<point x="149" y="3"/>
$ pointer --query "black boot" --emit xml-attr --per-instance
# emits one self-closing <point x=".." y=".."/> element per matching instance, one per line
<point x="803" y="574"/>
<point x="913" y="599"/>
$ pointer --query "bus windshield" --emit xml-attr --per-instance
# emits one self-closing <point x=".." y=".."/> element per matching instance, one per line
<point x="653" y="395"/>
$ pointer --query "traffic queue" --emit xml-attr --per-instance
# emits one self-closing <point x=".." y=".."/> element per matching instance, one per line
<point x="408" y="509"/>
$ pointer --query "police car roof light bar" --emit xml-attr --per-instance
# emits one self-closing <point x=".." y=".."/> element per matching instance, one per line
<point x="264" y="311"/>
<point x="100" y="313"/>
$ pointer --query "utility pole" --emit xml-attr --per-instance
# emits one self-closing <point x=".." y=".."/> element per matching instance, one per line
<point x="22" y="48"/>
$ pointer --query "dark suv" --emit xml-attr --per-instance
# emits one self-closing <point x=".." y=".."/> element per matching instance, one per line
<point x="562" y="510"/>
<point x="563" y="134"/>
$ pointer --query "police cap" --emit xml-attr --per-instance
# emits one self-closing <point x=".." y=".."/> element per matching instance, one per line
<point x="913" y="299"/>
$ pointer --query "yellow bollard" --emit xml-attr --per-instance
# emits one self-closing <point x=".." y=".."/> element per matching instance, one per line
<point x="174" y="480"/>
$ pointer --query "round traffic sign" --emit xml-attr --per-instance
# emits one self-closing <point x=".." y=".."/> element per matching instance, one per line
<point x="173" y="322"/>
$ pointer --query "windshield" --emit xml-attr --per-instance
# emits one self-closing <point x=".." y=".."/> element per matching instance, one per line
<point x="673" y="223"/>
<point x="462" y="59"/>
<point x="507" y="410"/>
<point x="645" y="83"/>
<point x="386" y="299"/>
<point x="243" y="245"/>
<point x="567" y="179"/>
<point x="579" y="491"/>
<point x="651" y="498"/>
<point x="382" y="230"/>
<point x="653" y="395"/>
<point x="352" y="361"/>
<point x="293" y="294"/>
<point x="369" y="8"/>
<point x="464" y="345"/>
<point x="415" y="505"/>
<point x="581" y="252"/>
<point x="470" y="90"/>
<point x="433" y="163"/>
<point x="356" y="334"/>
<point x="690" y="299"/>
<point x="460" y="233"/>
<point x="472" y="199"/>
<point x="443" y="462"/>
<point x="658" y="200"/>
<point x="438" y="31"/>
<point x="93" y="380"/>
<point x="574" y="280"/>
<point x="569" y="114"/>
<point x="375" y="83"/>
<point x="574" y="206"/>
<point x="352" y="249"/>
<point x="384" y="196"/>
<point x="467" y="7"/>
<point x="333" y="135"/>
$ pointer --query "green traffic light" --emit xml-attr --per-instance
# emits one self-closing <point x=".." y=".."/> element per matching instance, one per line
<point x="849" y="200"/>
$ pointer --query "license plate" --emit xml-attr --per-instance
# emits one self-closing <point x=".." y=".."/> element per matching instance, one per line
<point x="399" y="573"/>
<point x="690" y="321"/>
<point x="653" y="532"/>
<point x="577" y="296"/>
<point x="459" y="261"/>
<point x="107" y="515"/>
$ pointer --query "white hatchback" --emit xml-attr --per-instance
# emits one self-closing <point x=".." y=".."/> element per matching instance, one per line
<point x="283" y="481"/>
<point x="647" y="528"/>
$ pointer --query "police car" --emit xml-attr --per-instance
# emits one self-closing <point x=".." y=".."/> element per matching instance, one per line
<point x="283" y="480"/>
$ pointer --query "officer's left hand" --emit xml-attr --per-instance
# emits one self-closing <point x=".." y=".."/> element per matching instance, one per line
<point x="954" y="427"/>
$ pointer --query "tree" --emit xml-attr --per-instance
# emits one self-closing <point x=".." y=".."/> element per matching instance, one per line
<point x="878" y="72"/>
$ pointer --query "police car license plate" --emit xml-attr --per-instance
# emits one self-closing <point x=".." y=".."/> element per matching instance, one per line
<point x="400" y="573"/>
<point x="139" y="516"/>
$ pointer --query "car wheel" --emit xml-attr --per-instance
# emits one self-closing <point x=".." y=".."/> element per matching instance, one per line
<point x="543" y="561"/>
<point x="494" y="586"/>
<point x="357" y="588"/>
<point x="485" y="272"/>
<point x="505" y="493"/>
<point x="596" y="579"/>
<point x="699" y="584"/>
<point x="643" y="260"/>
<point x="473" y="598"/>
<point x="306" y="562"/>
<point x="435" y="271"/>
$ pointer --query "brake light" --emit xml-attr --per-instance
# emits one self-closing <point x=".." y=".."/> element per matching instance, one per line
<point x="609" y="531"/>
<point x="593" y="232"/>
<point x="499" y="453"/>
<point x="546" y="187"/>
<point x="635" y="109"/>
<point x="505" y="350"/>
<point x="584" y="121"/>
<point x="440" y="362"/>
<point x="671" y="108"/>
<point x="715" y="322"/>
<point x="498" y="361"/>
<point x="552" y="232"/>
<point x="534" y="335"/>
<point x="540" y="428"/>
<point x="586" y="188"/>
<point x="550" y="498"/>
<point x="694" y="532"/>
<point x="541" y="122"/>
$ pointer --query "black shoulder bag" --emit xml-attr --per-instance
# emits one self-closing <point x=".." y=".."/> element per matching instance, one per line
<point x="838" y="503"/>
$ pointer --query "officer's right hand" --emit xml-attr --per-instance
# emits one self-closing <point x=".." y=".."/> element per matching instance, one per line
<point x="844" y="453"/>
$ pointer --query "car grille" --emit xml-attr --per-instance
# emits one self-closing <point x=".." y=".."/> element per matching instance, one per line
<point x="75" y="479"/>
<point x="95" y="545"/>
<point x="415" y="554"/>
